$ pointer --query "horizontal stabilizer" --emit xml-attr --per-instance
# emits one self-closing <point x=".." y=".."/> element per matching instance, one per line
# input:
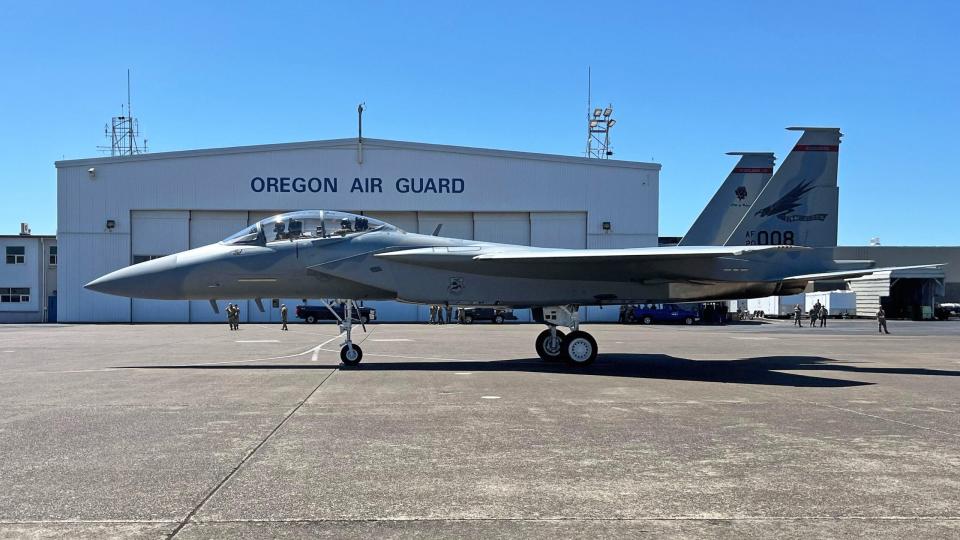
<point x="846" y="274"/>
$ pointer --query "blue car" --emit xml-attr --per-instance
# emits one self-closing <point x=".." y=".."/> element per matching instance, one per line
<point x="651" y="313"/>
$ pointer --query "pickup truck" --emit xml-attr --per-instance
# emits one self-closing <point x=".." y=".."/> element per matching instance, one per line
<point x="494" y="315"/>
<point x="651" y="313"/>
<point x="314" y="314"/>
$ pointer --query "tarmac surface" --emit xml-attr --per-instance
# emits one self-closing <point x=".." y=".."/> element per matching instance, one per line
<point x="755" y="430"/>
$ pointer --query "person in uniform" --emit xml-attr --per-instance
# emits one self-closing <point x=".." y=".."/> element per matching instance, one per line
<point x="440" y="314"/>
<point x="814" y="315"/>
<point x="229" y="312"/>
<point x="882" y="321"/>
<point x="449" y="314"/>
<point x="433" y="314"/>
<point x="798" y="316"/>
<point x="283" y="316"/>
<point x="236" y="316"/>
<point x="823" y="316"/>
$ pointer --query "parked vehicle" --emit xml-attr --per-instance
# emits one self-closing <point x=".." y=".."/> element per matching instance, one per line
<point x="497" y="316"/>
<point x="651" y="313"/>
<point x="840" y="304"/>
<point x="775" y="307"/>
<point x="315" y="314"/>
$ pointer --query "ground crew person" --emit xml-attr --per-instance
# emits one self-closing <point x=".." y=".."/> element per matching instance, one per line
<point x="236" y="316"/>
<point x="823" y="316"/>
<point x="229" y="312"/>
<point x="440" y="314"/>
<point x="814" y="315"/>
<point x="449" y="314"/>
<point x="283" y="316"/>
<point x="882" y="321"/>
<point x="433" y="314"/>
<point x="798" y="316"/>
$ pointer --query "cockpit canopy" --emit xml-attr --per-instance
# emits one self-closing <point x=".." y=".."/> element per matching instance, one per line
<point x="306" y="225"/>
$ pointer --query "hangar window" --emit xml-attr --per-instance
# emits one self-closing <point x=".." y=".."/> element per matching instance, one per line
<point x="14" y="295"/>
<point x="53" y="256"/>
<point x="16" y="254"/>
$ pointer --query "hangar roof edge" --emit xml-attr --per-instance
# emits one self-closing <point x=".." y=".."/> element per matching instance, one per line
<point x="341" y="143"/>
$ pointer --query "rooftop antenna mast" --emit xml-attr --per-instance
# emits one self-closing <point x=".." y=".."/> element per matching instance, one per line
<point x="599" y="123"/>
<point x="360" y="108"/>
<point x="123" y="131"/>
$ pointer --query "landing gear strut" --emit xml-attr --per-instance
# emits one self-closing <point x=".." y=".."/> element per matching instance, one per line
<point x="350" y="354"/>
<point x="577" y="348"/>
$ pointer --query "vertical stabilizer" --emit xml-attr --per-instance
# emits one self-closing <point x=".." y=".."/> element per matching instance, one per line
<point x="732" y="200"/>
<point x="799" y="204"/>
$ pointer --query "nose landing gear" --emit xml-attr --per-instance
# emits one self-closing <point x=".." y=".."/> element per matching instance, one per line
<point x="578" y="348"/>
<point x="350" y="354"/>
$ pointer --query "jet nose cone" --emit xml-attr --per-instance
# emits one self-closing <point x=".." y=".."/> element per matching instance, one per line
<point x="152" y="279"/>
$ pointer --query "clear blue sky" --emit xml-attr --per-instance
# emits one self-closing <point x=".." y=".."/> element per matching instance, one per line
<point x="688" y="81"/>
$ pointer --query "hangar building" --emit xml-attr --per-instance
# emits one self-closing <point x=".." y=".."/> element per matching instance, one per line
<point x="115" y="211"/>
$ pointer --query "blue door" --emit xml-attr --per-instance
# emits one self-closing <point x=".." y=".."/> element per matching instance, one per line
<point x="51" y="309"/>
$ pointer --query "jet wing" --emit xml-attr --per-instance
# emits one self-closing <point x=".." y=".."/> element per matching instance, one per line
<point x="627" y="254"/>
<point x="680" y="263"/>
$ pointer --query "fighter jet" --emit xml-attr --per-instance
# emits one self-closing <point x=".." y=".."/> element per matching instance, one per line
<point x="330" y="254"/>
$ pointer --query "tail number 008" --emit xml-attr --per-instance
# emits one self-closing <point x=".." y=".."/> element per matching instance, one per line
<point x="773" y="238"/>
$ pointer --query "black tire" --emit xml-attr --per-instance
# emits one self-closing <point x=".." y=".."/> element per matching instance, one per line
<point x="579" y="349"/>
<point x="498" y="319"/>
<point x="351" y="358"/>
<point x="311" y="319"/>
<point x="549" y="354"/>
<point x="468" y="319"/>
<point x="688" y="321"/>
<point x="647" y="319"/>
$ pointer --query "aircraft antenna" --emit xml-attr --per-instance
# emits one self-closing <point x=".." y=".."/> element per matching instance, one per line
<point x="599" y="122"/>
<point x="123" y="131"/>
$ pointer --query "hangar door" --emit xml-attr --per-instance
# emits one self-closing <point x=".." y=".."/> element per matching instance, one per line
<point x="502" y="227"/>
<point x="208" y="227"/>
<point x="558" y="229"/>
<point x="454" y="224"/>
<point x="155" y="233"/>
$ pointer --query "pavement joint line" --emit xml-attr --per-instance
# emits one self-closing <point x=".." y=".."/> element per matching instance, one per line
<point x="874" y="416"/>
<point x="586" y="519"/>
<point x="480" y="519"/>
<point x="182" y="523"/>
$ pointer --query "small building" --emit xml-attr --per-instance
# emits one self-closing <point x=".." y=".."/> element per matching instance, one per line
<point x="28" y="278"/>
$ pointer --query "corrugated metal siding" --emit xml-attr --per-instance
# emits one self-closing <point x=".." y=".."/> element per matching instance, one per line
<point x="84" y="257"/>
<point x="869" y="289"/>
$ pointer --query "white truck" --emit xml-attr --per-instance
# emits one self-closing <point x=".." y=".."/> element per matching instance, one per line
<point x="840" y="304"/>
<point x="774" y="307"/>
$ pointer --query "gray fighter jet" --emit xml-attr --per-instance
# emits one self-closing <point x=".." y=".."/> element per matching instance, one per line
<point x="329" y="254"/>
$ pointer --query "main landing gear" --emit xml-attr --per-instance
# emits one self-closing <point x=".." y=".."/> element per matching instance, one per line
<point x="350" y="354"/>
<point x="577" y="348"/>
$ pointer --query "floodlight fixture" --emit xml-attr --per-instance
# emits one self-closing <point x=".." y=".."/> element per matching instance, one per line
<point x="611" y="122"/>
<point x="608" y="111"/>
<point x="596" y="112"/>
<point x="593" y="123"/>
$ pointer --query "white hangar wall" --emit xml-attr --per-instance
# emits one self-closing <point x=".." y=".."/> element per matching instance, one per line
<point x="167" y="202"/>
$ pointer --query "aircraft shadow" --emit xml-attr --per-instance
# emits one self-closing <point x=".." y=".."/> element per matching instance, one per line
<point x="764" y="370"/>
